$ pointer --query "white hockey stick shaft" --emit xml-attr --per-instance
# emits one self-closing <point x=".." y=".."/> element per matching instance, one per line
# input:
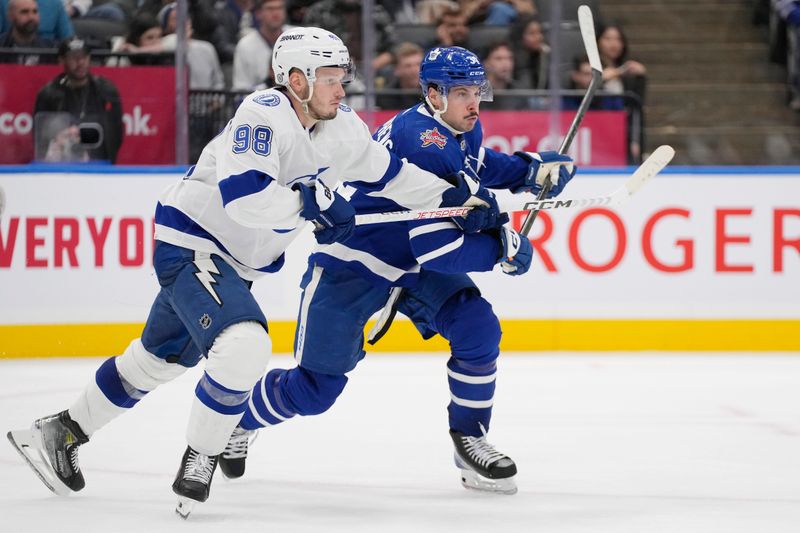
<point x="654" y="164"/>
<point x="586" y="23"/>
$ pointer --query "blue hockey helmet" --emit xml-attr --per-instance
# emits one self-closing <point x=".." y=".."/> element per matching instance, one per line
<point x="454" y="66"/>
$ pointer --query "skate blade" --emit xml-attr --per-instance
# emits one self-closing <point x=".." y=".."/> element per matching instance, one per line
<point x="28" y="441"/>
<point x="474" y="481"/>
<point x="185" y="507"/>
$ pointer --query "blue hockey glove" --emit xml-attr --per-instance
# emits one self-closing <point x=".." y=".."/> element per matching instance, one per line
<point x="540" y="166"/>
<point x="517" y="252"/>
<point x="460" y="192"/>
<point x="468" y="192"/>
<point x="482" y="217"/>
<point x="334" y="217"/>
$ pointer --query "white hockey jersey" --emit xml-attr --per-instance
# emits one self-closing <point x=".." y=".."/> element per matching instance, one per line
<point x="237" y="201"/>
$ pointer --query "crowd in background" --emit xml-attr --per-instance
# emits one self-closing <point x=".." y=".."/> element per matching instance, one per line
<point x="230" y="42"/>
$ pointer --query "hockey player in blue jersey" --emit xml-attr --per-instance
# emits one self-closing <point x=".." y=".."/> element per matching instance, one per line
<point x="226" y="223"/>
<point x="418" y="268"/>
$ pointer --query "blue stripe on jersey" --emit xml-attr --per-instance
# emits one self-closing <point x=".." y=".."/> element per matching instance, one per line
<point x="395" y="164"/>
<point x="220" y="398"/>
<point x="171" y="217"/>
<point x="115" y="387"/>
<point x="239" y="185"/>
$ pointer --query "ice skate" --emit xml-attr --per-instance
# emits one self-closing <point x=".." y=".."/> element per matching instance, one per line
<point x="232" y="461"/>
<point x="482" y="466"/>
<point x="193" y="482"/>
<point x="50" y="447"/>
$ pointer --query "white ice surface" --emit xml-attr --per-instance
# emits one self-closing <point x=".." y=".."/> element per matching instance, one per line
<point x="604" y="443"/>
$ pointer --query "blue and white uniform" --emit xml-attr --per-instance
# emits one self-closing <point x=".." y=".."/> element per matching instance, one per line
<point x="227" y="222"/>
<point x="393" y="253"/>
<point x="237" y="202"/>
<point x="346" y="283"/>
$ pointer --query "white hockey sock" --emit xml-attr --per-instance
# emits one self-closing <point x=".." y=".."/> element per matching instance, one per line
<point x="236" y="360"/>
<point x="119" y="384"/>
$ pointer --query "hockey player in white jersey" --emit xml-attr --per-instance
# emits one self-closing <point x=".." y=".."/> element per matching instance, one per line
<point x="227" y="222"/>
<point x="420" y="268"/>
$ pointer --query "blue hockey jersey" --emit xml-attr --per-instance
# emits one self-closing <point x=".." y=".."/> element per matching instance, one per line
<point x="393" y="253"/>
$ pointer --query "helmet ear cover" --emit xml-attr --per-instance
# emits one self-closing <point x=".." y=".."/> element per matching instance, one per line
<point x="444" y="68"/>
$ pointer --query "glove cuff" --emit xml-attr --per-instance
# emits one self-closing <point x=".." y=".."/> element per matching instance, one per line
<point x="310" y="210"/>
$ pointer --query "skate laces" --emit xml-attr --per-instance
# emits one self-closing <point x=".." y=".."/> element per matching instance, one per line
<point x="238" y="443"/>
<point x="199" y="467"/>
<point x="73" y="459"/>
<point x="480" y="450"/>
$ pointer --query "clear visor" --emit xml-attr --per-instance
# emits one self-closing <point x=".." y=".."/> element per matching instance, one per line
<point x="467" y="93"/>
<point x="332" y="75"/>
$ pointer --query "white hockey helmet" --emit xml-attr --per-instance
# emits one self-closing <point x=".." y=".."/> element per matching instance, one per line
<point x="308" y="49"/>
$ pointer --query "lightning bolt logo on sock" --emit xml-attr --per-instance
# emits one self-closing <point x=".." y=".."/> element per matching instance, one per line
<point x="205" y="270"/>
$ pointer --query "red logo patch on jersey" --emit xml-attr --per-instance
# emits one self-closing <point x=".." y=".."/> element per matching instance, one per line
<point x="429" y="137"/>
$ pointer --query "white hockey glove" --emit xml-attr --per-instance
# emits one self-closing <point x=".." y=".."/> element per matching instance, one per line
<point x="559" y="167"/>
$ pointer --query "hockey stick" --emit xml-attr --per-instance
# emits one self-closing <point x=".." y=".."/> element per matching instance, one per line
<point x="586" y="23"/>
<point x="654" y="164"/>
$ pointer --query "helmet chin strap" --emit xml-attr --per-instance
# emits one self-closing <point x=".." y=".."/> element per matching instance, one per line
<point x="437" y="115"/>
<point x="303" y="103"/>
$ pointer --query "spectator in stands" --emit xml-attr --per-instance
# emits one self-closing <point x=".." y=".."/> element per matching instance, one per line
<point x="496" y="12"/>
<point x="531" y="55"/>
<point x="581" y="76"/>
<point x="343" y="18"/>
<point x="234" y="20"/>
<point x="452" y="29"/>
<point x="789" y="10"/>
<point x="620" y="74"/>
<point x="205" y="71"/>
<point x="143" y="39"/>
<point x="251" y="61"/>
<point x="92" y="102"/>
<point x="296" y="11"/>
<point x="407" y="60"/>
<point x="54" y="22"/>
<point x="499" y="66"/>
<point x="77" y="8"/>
<point x="23" y="16"/>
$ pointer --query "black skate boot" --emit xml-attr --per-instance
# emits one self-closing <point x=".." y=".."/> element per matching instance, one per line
<point x="483" y="467"/>
<point x="232" y="460"/>
<point x="51" y="449"/>
<point x="193" y="482"/>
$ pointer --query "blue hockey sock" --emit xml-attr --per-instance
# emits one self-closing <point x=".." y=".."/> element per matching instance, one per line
<point x="266" y="406"/>
<point x="468" y="322"/>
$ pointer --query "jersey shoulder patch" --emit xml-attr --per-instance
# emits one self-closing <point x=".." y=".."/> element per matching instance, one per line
<point x="345" y="108"/>
<point x="432" y="137"/>
<point x="269" y="99"/>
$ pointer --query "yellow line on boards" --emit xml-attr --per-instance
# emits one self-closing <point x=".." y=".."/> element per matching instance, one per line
<point x="69" y="340"/>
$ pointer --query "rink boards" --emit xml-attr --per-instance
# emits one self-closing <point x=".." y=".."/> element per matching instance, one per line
<point x="696" y="261"/>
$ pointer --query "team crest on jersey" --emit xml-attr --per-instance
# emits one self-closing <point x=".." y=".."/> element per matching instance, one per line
<point x="205" y="321"/>
<point x="433" y="137"/>
<point x="345" y="108"/>
<point x="269" y="100"/>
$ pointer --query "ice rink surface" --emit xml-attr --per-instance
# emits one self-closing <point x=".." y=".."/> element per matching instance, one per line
<point x="604" y="443"/>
